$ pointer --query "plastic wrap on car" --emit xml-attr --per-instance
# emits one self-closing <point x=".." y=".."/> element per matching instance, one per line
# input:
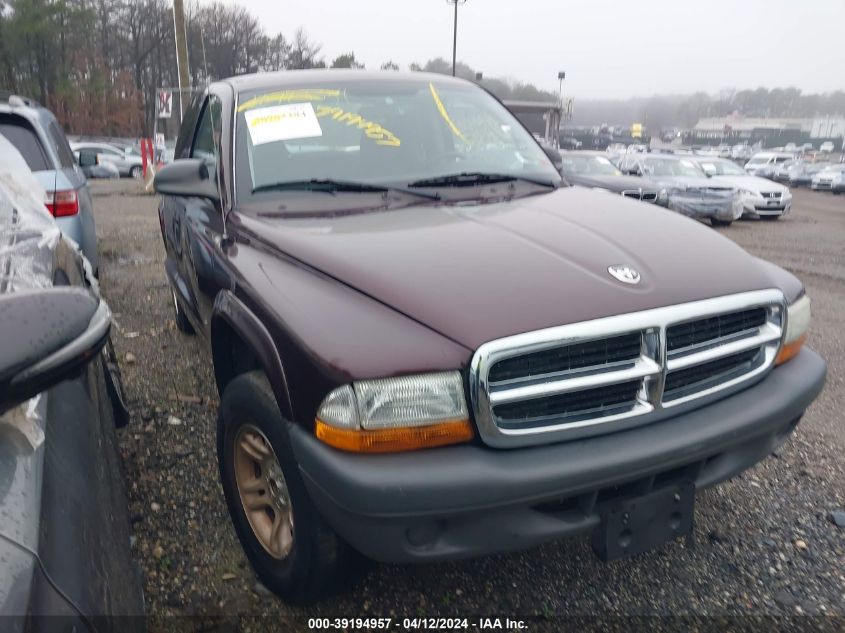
<point x="695" y="207"/>
<point x="28" y="238"/>
<point x="28" y="233"/>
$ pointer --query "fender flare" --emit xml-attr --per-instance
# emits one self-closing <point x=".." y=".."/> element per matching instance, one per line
<point x="244" y="322"/>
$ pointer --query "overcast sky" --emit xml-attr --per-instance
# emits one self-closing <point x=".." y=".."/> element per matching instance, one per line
<point x="608" y="48"/>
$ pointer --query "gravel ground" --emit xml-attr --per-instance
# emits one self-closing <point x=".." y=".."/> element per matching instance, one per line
<point x="765" y="543"/>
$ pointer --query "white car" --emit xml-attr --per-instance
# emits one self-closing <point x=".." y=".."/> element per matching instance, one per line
<point x="759" y="197"/>
<point x="764" y="163"/>
<point x="823" y="181"/>
<point x="741" y="152"/>
<point x="127" y="159"/>
<point x="826" y="147"/>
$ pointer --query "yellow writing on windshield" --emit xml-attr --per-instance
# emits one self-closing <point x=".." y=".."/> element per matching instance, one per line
<point x="312" y="94"/>
<point x="443" y="113"/>
<point x="371" y="129"/>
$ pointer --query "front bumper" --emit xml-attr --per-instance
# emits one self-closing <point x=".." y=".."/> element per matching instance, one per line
<point x="469" y="500"/>
<point x="702" y="208"/>
<point x="757" y="206"/>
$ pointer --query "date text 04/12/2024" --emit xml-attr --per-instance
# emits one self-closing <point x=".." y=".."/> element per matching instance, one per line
<point x="417" y="624"/>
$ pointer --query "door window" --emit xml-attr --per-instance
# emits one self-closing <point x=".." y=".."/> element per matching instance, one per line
<point x="207" y="137"/>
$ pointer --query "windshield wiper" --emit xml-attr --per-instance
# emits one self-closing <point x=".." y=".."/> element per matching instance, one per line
<point x="470" y="179"/>
<point x="330" y="185"/>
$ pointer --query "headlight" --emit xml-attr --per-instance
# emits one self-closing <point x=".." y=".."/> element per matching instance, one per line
<point x="395" y="414"/>
<point x="797" y="324"/>
<point x="662" y="195"/>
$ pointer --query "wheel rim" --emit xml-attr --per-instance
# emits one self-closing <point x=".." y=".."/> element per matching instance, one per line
<point x="263" y="491"/>
<point x="175" y="303"/>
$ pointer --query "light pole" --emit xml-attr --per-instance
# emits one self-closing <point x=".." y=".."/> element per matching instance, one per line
<point x="561" y="75"/>
<point x="455" y="33"/>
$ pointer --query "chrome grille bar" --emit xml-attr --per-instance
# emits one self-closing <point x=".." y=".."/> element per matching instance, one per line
<point x="729" y="356"/>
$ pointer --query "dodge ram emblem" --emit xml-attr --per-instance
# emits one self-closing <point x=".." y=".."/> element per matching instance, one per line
<point x="624" y="273"/>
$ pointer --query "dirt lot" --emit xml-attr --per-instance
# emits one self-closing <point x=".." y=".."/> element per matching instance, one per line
<point x="764" y="543"/>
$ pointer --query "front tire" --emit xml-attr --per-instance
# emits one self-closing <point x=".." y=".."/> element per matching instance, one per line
<point x="294" y="552"/>
<point x="135" y="172"/>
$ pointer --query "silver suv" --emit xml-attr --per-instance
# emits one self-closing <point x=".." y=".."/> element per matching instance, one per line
<point x="127" y="160"/>
<point x="37" y="135"/>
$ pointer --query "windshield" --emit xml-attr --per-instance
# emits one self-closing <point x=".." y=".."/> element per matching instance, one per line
<point x="722" y="168"/>
<point x="759" y="160"/>
<point x="378" y="132"/>
<point x="671" y="167"/>
<point x="587" y="164"/>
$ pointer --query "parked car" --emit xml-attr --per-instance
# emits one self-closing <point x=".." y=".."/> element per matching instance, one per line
<point x="570" y="142"/>
<point x="837" y="185"/>
<point x="802" y="175"/>
<point x="741" y="151"/>
<point x="89" y="163"/>
<point x="594" y="169"/>
<point x="826" y="147"/>
<point x="64" y="523"/>
<point x="395" y="373"/>
<point x="127" y="159"/>
<point x="759" y="197"/>
<point x="783" y="170"/>
<point x="807" y="147"/>
<point x="823" y="180"/>
<point x="763" y="164"/>
<point x="36" y="134"/>
<point x="688" y="189"/>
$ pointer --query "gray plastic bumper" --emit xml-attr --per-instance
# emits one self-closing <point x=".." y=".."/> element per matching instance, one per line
<point x="469" y="500"/>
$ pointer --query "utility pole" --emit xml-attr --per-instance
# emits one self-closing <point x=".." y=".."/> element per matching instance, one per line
<point x="455" y="33"/>
<point x="181" y="54"/>
<point x="561" y="75"/>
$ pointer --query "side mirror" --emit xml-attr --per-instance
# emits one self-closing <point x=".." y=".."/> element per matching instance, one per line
<point x="187" y="177"/>
<point x="48" y="336"/>
<point x="87" y="158"/>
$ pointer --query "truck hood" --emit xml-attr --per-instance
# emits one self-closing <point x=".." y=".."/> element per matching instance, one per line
<point x="479" y="272"/>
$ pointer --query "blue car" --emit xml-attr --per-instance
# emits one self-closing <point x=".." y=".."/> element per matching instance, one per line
<point x="39" y="138"/>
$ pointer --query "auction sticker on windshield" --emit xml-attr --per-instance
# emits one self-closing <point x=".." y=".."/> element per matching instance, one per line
<point x="282" y="123"/>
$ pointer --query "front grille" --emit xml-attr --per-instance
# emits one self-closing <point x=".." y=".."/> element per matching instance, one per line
<point x="599" y="401"/>
<point x="684" y="381"/>
<point x="593" y="377"/>
<point x="639" y="194"/>
<point x="713" y="328"/>
<point x="770" y="194"/>
<point x="593" y="354"/>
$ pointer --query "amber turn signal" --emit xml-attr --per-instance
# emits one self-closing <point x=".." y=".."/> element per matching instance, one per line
<point x="389" y="440"/>
<point x="789" y="350"/>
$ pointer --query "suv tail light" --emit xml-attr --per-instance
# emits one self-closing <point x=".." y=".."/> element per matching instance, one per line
<point x="62" y="203"/>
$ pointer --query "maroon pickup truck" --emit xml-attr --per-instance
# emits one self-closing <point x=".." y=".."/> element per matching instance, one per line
<point x="429" y="346"/>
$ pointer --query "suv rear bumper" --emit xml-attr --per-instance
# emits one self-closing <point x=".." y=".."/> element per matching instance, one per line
<point x="469" y="500"/>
